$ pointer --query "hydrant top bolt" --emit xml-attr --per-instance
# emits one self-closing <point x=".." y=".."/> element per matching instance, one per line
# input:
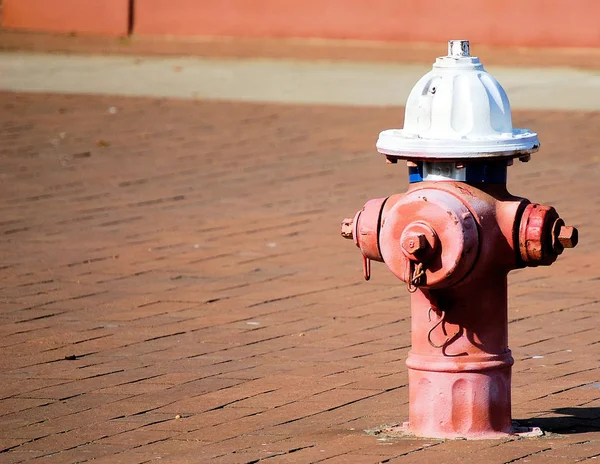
<point x="458" y="48"/>
<point x="568" y="236"/>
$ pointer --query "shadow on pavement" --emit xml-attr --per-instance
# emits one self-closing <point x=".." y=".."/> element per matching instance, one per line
<point x="572" y="420"/>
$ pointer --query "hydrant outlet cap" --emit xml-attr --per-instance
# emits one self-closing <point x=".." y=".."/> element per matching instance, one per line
<point x="457" y="111"/>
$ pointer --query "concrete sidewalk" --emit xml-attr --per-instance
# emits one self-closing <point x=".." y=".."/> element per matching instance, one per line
<point x="281" y="81"/>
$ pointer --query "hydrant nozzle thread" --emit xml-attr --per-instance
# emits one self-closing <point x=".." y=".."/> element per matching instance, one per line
<point x="543" y="235"/>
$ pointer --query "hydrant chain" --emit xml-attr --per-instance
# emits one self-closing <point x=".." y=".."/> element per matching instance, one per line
<point x="441" y="322"/>
<point x="417" y="272"/>
<point x="437" y="324"/>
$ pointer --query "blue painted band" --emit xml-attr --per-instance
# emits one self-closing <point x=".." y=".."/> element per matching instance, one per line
<point x="415" y="174"/>
<point x="491" y="172"/>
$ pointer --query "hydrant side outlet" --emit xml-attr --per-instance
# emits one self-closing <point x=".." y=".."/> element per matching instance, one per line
<point x="452" y="238"/>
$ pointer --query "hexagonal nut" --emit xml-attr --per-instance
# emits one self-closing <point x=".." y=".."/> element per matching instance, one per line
<point x="414" y="242"/>
<point x="568" y="236"/>
<point x="348" y="228"/>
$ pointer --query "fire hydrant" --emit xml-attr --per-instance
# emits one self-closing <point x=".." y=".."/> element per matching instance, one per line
<point x="452" y="238"/>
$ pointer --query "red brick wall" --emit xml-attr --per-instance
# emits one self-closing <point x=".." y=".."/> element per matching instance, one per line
<point x="107" y="17"/>
<point x="495" y="22"/>
<point x="550" y="23"/>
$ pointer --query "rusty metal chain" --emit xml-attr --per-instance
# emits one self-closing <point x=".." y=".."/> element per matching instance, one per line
<point x="417" y="272"/>
<point x="416" y="279"/>
<point x="436" y="325"/>
<point x="441" y="323"/>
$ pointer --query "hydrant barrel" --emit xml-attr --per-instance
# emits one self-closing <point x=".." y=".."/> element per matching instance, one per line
<point x="452" y="238"/>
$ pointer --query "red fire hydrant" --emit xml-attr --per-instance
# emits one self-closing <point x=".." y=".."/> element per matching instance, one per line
<point x="453" y="237"/>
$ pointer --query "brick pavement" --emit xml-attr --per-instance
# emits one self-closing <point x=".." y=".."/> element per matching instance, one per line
<point x="174" y="288"/>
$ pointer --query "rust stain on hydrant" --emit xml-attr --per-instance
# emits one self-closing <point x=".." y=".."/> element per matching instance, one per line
<point x="452" y="238"/>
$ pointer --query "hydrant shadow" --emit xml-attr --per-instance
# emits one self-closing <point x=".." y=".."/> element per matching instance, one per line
<point x="570" y="421"/>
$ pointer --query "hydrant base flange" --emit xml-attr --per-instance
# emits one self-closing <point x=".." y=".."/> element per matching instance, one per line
<point x="404" y="431"/>
<point x="472" y="405"/>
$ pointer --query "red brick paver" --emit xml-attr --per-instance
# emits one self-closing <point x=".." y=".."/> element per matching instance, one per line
<point x="174" y="288"/>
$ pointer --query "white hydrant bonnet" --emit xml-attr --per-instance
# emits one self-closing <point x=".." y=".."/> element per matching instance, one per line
<point x="457" y="111"/>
